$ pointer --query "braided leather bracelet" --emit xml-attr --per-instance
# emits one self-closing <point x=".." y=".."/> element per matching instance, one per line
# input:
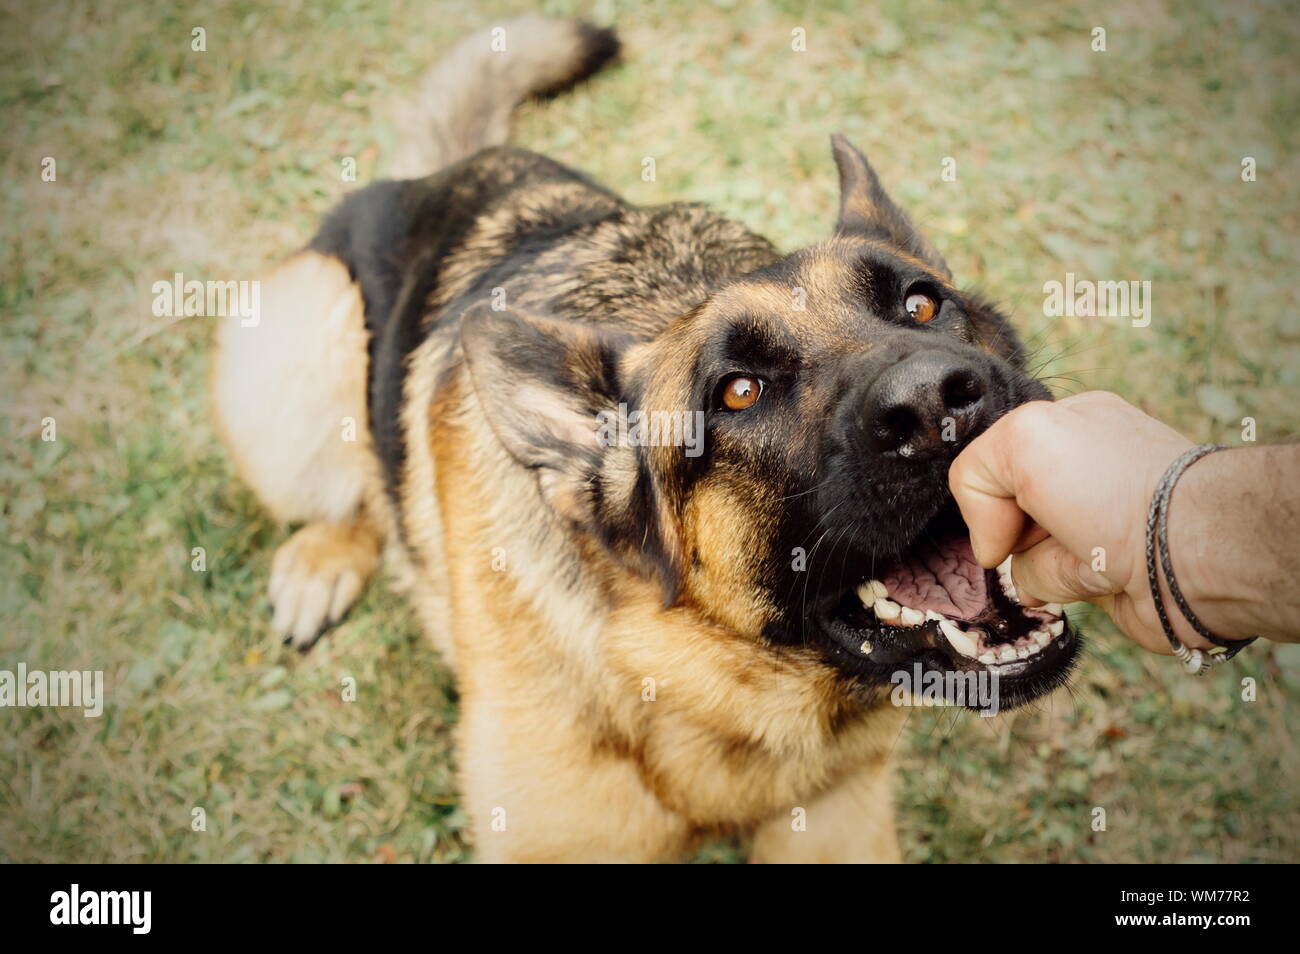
<point x="1158" y="537"/>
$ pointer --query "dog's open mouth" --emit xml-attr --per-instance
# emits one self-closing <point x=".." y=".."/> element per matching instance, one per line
<point x="935" y="603"/>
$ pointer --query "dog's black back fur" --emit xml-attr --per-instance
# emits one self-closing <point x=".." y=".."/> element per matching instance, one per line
<point x="634" y="268"/>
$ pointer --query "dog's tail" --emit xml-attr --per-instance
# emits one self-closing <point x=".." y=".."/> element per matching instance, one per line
<point x="465" y="101"/>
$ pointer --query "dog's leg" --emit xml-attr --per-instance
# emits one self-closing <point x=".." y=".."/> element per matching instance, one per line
<point x="289" y="391"/>
<point x="852" y="822"/>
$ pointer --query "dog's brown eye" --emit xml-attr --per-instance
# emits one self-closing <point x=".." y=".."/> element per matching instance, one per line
<point x="741" y="392"/>
<point x="921" y="307"/>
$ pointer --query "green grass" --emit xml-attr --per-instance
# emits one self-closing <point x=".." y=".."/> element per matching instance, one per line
<point x="1115" y="165"/>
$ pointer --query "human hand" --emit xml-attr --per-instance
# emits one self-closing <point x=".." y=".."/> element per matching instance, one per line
<point x="1065" y="486"/>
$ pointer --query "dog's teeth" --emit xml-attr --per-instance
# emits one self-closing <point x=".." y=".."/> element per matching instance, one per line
<point x="1057" y="628"/>
<point x="1042" y="637"/>
<point x="871" y="591"/>
<point x="933" y="617"/>
<point x="1007" y="654"/>
<point x="865" y="647"/>
<point x="887" y="609"/>
<point x="1023" y="652"/>
<point x="962" y="642"/>
<point x="1004" y="568"/>
<point x="911" y="617"/>
<point x="1056" y="609"/>
<point x="988" y="659"/>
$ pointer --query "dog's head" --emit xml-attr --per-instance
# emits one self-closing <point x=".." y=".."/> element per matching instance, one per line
<point x="778" y="457"/>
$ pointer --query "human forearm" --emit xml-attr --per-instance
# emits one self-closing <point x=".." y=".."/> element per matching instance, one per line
<point x="1234" y="539"/>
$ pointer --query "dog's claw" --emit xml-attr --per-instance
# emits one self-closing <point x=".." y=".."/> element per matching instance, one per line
<point x="316" y="576"/>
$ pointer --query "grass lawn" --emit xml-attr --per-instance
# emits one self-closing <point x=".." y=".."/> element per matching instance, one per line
<point x="1118" y="165"/>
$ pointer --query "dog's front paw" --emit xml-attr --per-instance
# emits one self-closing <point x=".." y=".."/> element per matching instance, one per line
<point x="317" y="575"/>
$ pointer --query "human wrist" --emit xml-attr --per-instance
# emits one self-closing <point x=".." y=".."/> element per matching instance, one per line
<point x="1219" y="532"/>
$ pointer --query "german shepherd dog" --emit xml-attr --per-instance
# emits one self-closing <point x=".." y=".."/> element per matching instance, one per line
<point x="659" y="633"/>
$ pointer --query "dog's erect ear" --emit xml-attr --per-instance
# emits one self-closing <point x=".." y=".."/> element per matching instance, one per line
<point x="542" y="384"/>
<point x="866" y="209"/>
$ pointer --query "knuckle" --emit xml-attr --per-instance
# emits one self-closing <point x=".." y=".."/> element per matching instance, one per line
<point x="959" y="472"/>
<point x="1100" y="399"/>
<point x="1027" y="421"/>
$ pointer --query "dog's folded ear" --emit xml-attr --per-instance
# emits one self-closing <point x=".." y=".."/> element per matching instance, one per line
<point x="867" y="210"/>
<point x="548" y="389"/>
<point x="542" y="384"/>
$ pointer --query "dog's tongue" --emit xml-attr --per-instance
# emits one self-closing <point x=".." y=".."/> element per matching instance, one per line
<point x="943" y="577"/>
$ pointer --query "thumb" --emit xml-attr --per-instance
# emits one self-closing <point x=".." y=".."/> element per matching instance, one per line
<point x="1050" y="573"/>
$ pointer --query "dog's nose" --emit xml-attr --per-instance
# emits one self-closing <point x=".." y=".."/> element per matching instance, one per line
<point x="926" y="405"/>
